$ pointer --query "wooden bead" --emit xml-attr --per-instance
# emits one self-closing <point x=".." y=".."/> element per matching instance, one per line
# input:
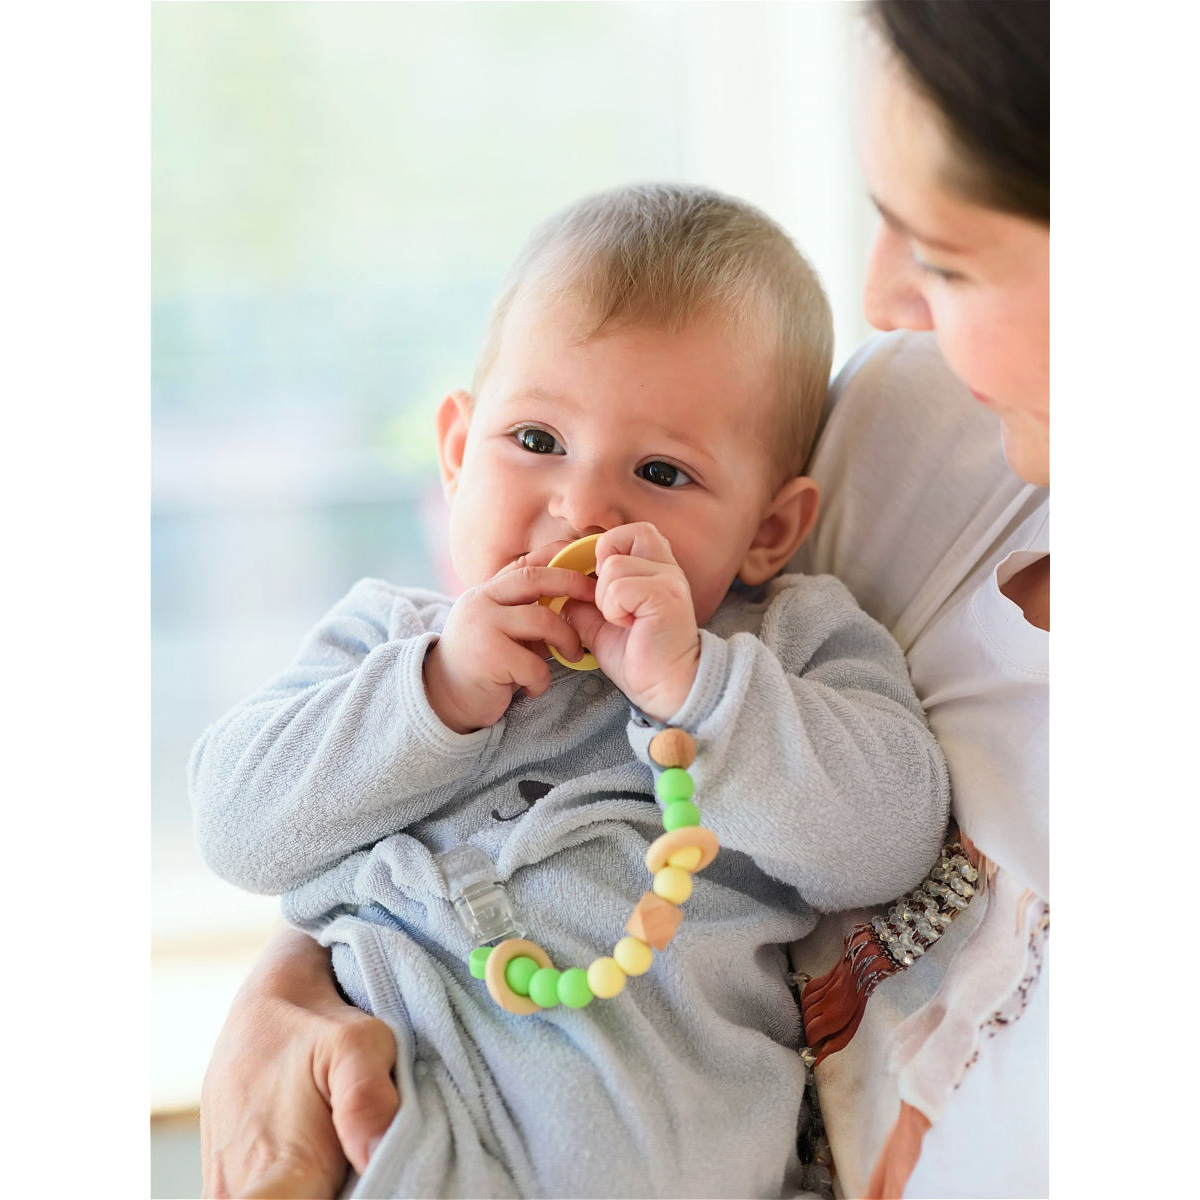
<point x="497" y="985"/>
<point x="654" y="921"/>
<point x="673" y="748"/>
<point x="658" y="855"/>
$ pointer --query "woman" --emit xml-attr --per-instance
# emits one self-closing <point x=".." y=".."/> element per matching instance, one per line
<point x="919" y="1069"/>
<point x="954" y="137"/>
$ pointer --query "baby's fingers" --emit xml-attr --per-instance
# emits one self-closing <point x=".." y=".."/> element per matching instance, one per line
<point x="539" y="556"/>
<point x="656" y="591"/>
<point x="525" y="585"/>
<point x="639" y="539"/>
<point x="539" y="626"/>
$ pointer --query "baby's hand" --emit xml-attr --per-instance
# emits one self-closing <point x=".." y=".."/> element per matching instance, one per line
<point x="495" y="637"/>
<point x="642" y="625"/>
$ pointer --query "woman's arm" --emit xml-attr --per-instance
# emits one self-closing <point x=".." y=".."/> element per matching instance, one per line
<point x="299" y="1081"/>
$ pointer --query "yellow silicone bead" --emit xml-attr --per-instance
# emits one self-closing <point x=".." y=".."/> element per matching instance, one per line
<point x="633" y="956"/>
<point x="605" y="978"/>
<point x="673" y="884"/>
<point x="687" y="859"/>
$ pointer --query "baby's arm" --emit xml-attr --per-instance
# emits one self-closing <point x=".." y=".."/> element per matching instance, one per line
<point x="339" y="750"/>
<point x="360" y="737"/>
<point x="814" y="755"/>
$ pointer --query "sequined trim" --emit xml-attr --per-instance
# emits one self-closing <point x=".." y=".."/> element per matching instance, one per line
<point x="918" y="919"/>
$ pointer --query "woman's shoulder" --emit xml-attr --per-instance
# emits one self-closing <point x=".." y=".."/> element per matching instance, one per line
<point x="917" y="500"/>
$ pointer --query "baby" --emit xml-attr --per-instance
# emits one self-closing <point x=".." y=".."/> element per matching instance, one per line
<point x="652" y="373"/>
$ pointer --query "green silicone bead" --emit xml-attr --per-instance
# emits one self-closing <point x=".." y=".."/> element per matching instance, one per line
<point x="543" y="987"/>
<point x="674" y="784"/>
<point x="478" y="960"/>
<point x="573" y="988"/>
<point x="518" y="972"/>
<point x="679" y="815"/>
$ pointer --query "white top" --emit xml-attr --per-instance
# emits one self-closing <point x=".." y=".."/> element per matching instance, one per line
<point x="905" y="451"/>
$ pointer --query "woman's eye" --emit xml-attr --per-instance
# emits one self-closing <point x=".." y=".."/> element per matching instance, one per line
<point x="663" y="474"/>
<point x="538" y="441"/>
<point x="936" y="272"/>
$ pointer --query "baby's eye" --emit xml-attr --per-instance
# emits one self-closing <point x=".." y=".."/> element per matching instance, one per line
<point x="664" y="474"/>
<point x="538" y="441"/>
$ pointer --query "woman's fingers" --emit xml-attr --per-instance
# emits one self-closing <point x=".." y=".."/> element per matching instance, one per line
<point x="289" y="1049"/>
<point x="362" y="1093"/>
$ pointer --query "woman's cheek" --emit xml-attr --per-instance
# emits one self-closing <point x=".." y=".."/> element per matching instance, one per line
<point x="965" y="338"/>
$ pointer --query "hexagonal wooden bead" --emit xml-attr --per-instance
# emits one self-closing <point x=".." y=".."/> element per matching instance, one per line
<point x="673" y="748"/>
<point x="654" y="920"/>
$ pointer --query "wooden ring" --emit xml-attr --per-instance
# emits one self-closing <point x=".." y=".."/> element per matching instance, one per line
<point x="497" y="985"/>
<point x="680" y="839"/>
<point x="579" y="556"/>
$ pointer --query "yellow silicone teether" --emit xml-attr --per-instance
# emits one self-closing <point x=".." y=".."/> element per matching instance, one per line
<point x="578" y="556"/>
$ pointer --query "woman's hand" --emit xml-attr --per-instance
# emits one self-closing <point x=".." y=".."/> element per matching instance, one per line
<point x="299" y="1081"/>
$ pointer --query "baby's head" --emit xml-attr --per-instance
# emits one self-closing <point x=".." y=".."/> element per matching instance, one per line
<point x="658" y="353"/>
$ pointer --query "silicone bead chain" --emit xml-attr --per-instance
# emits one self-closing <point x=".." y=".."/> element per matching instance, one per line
<point x="519" y="974"/>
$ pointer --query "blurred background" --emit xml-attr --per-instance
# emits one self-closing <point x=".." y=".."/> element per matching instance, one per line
<point x="337" y="191"/>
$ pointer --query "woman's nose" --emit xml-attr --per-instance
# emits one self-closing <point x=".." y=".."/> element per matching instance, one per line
<point x="892" y="297"/>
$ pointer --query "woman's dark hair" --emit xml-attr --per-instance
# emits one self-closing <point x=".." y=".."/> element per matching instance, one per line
<point x="985" y="65"/>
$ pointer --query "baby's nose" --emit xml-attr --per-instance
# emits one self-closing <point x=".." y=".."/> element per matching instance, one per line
<point x="588" y="506"/>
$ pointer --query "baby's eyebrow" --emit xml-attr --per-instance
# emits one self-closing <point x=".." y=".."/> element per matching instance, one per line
<point x="543" y="396"/>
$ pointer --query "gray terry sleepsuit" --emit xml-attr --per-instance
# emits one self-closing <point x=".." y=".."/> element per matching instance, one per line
<point x="337" y="784"/>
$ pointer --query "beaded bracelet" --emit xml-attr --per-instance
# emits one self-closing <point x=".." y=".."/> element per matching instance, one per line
<point x="519" y="974"/>
<point x="832" y="1005"/>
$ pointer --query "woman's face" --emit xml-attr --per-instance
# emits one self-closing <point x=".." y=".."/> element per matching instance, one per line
<point x="978" y="277"/>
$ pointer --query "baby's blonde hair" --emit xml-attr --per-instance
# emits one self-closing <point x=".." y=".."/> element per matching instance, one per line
<point x="667" y="254"/>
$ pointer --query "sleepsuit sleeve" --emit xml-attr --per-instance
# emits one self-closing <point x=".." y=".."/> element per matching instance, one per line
<point x="814" y="754"/>
<point x="339" y="750"/>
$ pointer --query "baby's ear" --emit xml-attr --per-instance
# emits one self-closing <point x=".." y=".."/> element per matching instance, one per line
<point x="453" y="421"/>
<point x="788" y="520"/>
